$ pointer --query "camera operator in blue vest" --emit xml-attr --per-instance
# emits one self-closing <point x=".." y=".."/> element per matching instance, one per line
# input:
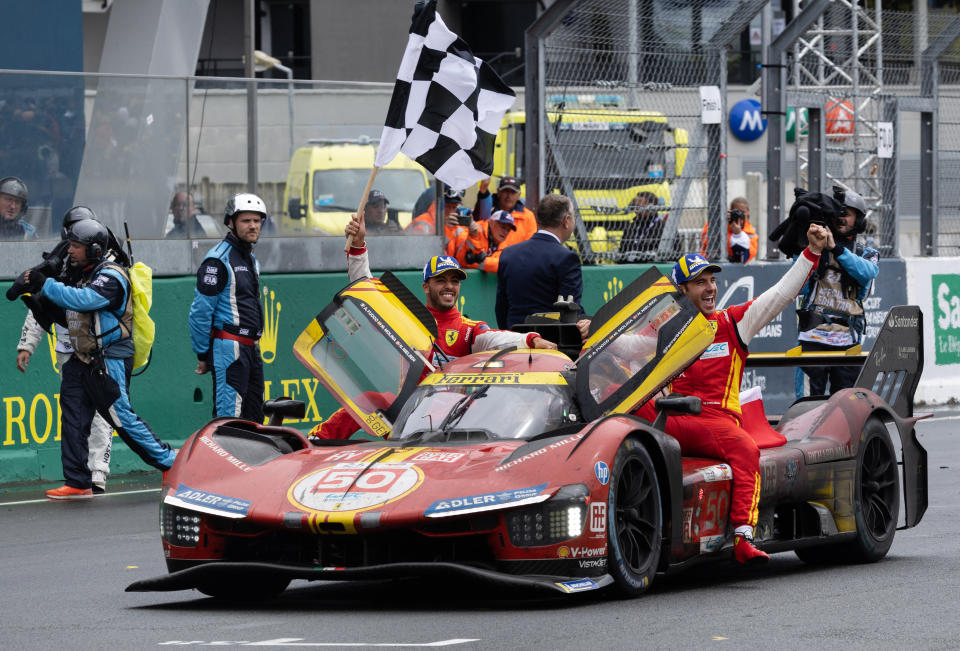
<point x="831" y="315"/>
<point x="226" y="317"/>
<point x="96" y="379"/>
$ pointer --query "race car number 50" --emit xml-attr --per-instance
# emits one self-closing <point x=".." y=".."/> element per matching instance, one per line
<point x="355" y="486"/>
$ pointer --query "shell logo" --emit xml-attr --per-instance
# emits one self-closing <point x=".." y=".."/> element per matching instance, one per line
<point x="563" y="551"/>
<point x="840" y="122"/>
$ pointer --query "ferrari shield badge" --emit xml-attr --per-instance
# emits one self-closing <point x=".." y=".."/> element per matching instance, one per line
<point x="451" y="337"/>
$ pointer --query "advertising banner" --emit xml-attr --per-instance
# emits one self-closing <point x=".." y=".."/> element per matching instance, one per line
<point x="175" y="401"/>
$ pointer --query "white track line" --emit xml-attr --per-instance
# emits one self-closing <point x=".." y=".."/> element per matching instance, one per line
<point x="47" y="499"/>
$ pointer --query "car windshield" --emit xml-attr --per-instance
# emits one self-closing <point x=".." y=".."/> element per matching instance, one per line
<point x="451" y="412"/>
<point x="339" y="190"/>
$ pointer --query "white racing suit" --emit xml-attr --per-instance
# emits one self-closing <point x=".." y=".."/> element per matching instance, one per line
<point x="101" y="433"/>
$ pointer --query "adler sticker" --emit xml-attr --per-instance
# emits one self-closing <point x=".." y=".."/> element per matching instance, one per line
<point x="716" y="350"/>
<point x="355" y="486"/>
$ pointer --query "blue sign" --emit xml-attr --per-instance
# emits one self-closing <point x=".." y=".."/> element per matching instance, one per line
<point x="746" y="121"/>
<point x="602" y="471"/>
<point x="211" y="501"/>
<point x="579" y="585"/>
<point x="484" y="501"/>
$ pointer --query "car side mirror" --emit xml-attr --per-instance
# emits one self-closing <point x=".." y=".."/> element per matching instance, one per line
<point x="296" y="210"/>
<point x="677" y="405"/>
<point x="279" y="408"/>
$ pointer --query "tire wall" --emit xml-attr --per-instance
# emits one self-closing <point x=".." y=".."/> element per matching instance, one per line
<point x="175" y="401"/>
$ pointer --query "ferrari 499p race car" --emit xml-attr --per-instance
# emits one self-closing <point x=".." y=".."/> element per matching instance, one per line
<point x="526" y="467"/>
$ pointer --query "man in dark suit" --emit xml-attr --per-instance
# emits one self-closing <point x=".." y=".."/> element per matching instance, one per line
<point x="532" y="274"/>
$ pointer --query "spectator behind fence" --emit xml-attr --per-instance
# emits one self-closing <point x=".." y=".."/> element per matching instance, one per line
<point x="533" y="273"/>
<point x="506" y="198"/>
<point x="425" y="223"/>
<point x="185" y="224"/>
<point x="741" y="240"/>
<point x="13" y="206"/>
<point x="831" y="315"/>
<point x="379" y="219"/>
<point x="480" y="246"/>
<point x="643" y="234"/>
<point x="226" y="317"/>
<point x="100" y="440"/>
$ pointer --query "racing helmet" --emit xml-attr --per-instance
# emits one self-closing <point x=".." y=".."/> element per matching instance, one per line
<point x="17" y="188"/>
<point x="449" y="194"/>
<point x="92" y="233"/>
<point x="244" y="202"/>
<point x="855" y="202"/>
<point x="74" y="215"/>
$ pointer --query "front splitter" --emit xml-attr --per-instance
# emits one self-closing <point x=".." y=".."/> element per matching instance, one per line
<point x="192" y="577"/>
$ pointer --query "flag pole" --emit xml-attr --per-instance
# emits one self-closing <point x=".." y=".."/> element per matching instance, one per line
<point x="363" y="204"/>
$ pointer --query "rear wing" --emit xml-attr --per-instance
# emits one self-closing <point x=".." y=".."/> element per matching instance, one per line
<point x="892" y="369"/>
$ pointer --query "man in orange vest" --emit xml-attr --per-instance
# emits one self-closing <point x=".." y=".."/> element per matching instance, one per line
<point x="480" y="246"/>
<point x="741" y="238"/>
<point x="506" y="198"/>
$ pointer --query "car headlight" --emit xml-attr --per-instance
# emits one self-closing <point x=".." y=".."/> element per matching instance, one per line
<point x="559" y="518"/>
<point x="179" y="526"/>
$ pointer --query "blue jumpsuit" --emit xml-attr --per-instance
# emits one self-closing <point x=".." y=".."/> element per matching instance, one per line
<point x="101" y="385"/>
<point x="226" y="322"/>
<point x="856" y="266"/>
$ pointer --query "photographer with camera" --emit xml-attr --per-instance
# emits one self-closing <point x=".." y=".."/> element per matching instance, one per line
<point x="831" y="315"/>
<point x="55" y="265"/>
<point x="742" y="242"/>
<point x="478" y="245"/>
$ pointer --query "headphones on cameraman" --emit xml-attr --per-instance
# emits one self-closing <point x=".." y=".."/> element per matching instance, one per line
<point x="854" y="201"/>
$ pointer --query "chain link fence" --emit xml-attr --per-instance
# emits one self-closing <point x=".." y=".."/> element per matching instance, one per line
<point x="620" y="127"/>
<point x="841" y="58"/>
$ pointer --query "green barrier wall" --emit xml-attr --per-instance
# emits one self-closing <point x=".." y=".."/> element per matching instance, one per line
<point x="175" y="401"/>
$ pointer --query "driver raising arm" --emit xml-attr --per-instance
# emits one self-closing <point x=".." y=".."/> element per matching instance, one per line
<point x="715" y="378"/>
<point x="456" y="335"/>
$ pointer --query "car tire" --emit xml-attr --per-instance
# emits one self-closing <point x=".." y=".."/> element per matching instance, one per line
<point x="634" y="520"/>
<point x="876" y="500"/>
<point x="243" y="588"/>
<point x="876" y="503"/>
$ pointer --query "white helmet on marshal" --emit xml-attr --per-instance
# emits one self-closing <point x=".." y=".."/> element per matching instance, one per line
<point x="244" y="202"/>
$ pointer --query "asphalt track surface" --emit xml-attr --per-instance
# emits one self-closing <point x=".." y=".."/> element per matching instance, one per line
<point x="64" y="567"/>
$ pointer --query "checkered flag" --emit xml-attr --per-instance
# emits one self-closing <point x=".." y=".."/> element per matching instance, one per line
<point x="446" y="107"/>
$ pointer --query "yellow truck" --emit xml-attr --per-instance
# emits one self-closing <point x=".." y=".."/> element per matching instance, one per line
<point x="606" y="154"/>
<point x="326" y="181"/>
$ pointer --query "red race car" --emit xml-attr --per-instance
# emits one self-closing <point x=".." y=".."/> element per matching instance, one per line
<point x="525" y="467"/>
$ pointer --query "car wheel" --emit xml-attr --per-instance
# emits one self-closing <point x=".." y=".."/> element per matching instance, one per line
<point x="876" y="500"/>
<point x="634" y="520"/>
<point x="876" y="503"/>
<point x="243" y="588"/>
